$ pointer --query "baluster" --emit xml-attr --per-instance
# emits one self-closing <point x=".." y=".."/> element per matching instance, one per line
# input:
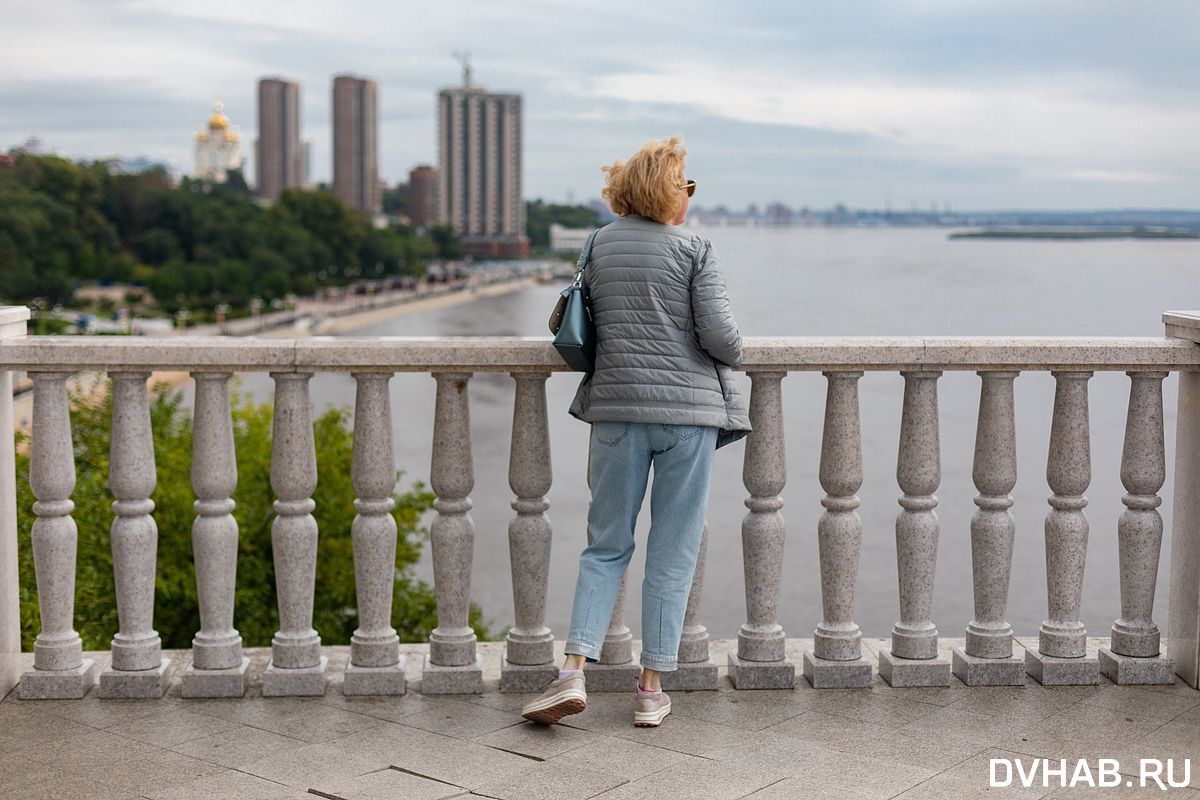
<point x="696" y="667"/>
<point x="1061" y="657"/>
<point x="452" y="664"/>
<point x="218" y="668"/>
<point x="138" y="668"/>
<point x="1183" y="586"/>
<point x="12" y="326"/>
<point x="1134" y="656"/>
<point x="761" y="661"/>
<point x="913" y="659"/>
<point x="528" y="659"/>
<point x="59" y="668"/>
<point x="836" y="658"/>
<point x="297" y="666"/>
<point x="376" y="666"/>
<point x="987" y="659"/>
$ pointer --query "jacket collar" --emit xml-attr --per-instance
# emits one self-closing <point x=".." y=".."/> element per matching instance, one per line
<point x="637" y="216"/>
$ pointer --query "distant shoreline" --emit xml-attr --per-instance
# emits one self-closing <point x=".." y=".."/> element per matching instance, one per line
<point x="347" y="323"/>
<point x="1077" y="234"/>
<point x="330" y="326"/>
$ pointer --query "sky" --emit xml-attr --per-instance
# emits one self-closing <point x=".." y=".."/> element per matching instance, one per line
<point x="975" y="104"/>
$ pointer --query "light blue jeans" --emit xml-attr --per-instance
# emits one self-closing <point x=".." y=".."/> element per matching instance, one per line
<point x="619" y="459"/>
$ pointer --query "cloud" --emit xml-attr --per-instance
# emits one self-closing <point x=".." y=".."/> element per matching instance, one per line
<point x="981" y="104"/>
<point x="1119" y="176"/>
<point x="1058" y="116"/>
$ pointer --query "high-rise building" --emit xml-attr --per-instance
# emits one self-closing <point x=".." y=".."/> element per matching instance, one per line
<point x="218" y="148"/>
<point x="356" y="142"/>
<point x="278" y="153"/>
<point x="422" y="196"/>
<point x="479" y="169"/>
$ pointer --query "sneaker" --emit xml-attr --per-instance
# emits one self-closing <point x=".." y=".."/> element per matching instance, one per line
<point x="562" y="696"/>
<point x="649" y="710"/>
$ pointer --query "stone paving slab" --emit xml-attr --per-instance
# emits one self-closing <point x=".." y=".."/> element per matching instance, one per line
<point x="386" y="784"/>
<point x="238" y="747"/>
<point x="551" y="781"/>
<point x="538" y="741"/>
<point x="698" y="779"/>
<point x="231" y="784"/>
<point x="631" y="760"/>
<point x="447" y="759"/>
<point x="307" y="767"/>
<point x="824" y="769"/>
<point x="874" y="742"/>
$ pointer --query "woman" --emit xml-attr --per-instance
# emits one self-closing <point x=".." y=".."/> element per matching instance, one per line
<point x="662" y="393"/>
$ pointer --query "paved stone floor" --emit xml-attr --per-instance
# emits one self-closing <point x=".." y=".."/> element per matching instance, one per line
<point x="765" y="745"/>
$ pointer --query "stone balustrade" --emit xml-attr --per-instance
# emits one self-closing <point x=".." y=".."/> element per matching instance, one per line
<point x="836" y="659"/>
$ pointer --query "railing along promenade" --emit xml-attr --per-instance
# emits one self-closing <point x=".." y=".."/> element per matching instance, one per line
<point x="452" y="665"/>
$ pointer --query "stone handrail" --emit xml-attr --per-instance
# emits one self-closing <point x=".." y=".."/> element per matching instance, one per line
<point x="297" y="667"/>
<point x="534" y="353"/>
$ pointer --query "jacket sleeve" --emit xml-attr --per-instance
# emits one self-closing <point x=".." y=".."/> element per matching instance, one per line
<point x="713" y="320"/>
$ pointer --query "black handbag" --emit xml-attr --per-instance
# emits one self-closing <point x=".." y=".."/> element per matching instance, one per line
<point x="571" y="322"/>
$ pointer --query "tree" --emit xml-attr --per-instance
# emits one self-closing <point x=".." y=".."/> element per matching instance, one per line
<point x="396" y="199"/>
<point x="540" y="215"/>
<point x="446" y="241"/>
<point x="176" y="609"/>
<point x="196" y="244"/>
<point x="323" y="215"/>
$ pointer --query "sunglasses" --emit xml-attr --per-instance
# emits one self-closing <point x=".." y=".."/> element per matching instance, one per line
<point x="690" y="186"/>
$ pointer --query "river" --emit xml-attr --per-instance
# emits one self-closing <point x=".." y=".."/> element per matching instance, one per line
<point x="835" y="281"/>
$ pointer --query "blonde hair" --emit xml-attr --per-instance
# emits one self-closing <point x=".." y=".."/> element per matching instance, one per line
<point x="648" y="183"/>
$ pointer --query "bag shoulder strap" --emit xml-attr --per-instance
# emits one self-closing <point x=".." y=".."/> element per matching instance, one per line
<point x="584" y="256"/>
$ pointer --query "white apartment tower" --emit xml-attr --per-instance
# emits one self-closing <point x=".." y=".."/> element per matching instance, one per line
<point x="479" y="169"/>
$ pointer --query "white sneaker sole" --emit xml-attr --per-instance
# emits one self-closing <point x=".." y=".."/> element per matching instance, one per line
<point x="647" y="719"/>
<point x="553" y="708"/>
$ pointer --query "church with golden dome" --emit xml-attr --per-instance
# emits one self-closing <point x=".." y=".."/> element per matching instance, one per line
<point x="218" y="148"/>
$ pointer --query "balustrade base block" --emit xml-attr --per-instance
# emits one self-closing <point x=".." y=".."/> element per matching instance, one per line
<point x="761" y="674"/>
<point x="148" y="684"/>
<point x="58" y="684"/>
<point x="612" y="677"/>
<point x="1055" y="671"/>
<point x="374" y="681"/>
<point x="691" y="676"/>
<point x="301" y="682"/>
<point x="208" y="683"/>
<point x="525" y="678"/>
<point x="975" y="671"/>
<point x="906" y="672"/>
<point x="822" y="673"/>
<point x="1136" y="671"/>
<point x="465" y="679"/>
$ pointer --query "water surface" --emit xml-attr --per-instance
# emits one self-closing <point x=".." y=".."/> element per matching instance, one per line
<point x="822" y="282"/>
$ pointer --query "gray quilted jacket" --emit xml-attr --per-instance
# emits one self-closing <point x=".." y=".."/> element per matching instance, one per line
<point x="666" y="340"/>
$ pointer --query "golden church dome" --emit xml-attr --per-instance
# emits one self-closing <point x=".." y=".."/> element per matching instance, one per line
<point x="218" y="120"/>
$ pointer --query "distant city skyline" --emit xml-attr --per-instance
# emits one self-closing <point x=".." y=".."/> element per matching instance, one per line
<point x="984" y="105"/>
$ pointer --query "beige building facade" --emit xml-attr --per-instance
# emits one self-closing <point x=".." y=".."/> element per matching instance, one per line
<point x="479" y="170"/>
<point x="356" y="142"/>
<point x="278" y="154"/>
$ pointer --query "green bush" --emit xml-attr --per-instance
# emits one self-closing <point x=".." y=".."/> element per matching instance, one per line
<point x="176" y="611"/>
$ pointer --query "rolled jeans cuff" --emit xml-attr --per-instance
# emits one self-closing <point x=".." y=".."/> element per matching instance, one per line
<point x="590" y="652"/>
<point x="659" y="663"/>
